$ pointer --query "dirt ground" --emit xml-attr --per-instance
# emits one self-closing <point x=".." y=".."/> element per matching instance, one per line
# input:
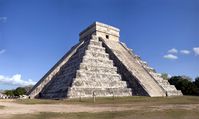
<point x="10" y="108"/>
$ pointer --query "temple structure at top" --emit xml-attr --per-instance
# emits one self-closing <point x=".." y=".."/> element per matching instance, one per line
<point x="100" y="30"/>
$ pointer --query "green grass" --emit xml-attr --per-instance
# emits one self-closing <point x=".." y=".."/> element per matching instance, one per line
<point x="165" y="114"/>
<point x="138" y="100"/>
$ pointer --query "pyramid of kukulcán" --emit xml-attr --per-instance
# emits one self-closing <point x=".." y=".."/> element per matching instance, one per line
<point x="103" y="66"/>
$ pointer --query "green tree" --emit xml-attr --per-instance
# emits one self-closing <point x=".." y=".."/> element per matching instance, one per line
<point x="184" y="84"/>
<point x="165" y="76"/>
<point x="19" y="91"/>
<point x="175" y="80"/>
<point x="196" y="82"/>
<point x="9" y="92"/>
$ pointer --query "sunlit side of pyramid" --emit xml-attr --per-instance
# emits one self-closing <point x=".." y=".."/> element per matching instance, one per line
<point x="101" y="65"/>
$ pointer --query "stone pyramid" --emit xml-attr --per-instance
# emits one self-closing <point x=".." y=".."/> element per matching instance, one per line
<point x="103" y="66"/>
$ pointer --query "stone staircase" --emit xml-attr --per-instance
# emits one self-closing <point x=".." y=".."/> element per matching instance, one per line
<point x="89" y="71"/>
<point x="97" y="75"/>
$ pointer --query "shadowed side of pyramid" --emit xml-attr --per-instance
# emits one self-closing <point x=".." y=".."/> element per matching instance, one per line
<point x="103" y="66"/>
<point x="60" y="83"/>
<point x="43" y="83"/>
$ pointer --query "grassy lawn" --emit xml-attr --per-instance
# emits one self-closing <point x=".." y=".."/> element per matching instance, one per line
<point x="165" y="114"/>
<point x="119" y="100"/>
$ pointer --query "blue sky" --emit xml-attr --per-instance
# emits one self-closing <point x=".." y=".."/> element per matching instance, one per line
<point x="35" y="34"/>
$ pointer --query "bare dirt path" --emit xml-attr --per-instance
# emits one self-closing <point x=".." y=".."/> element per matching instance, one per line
<point x="11" y="108"/>
<point x="14" y="108"/>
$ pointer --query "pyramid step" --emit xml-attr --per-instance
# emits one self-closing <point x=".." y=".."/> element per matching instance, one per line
<point x="96" y="48"/>
<point x="95" y="38"/>
<point x="95" y="43"/>
<point x="80" y="52"/>
<point x="59" y="84"/>
<point x="75" y="58"/>
<point x="98" y="68"/>
<point x="69" y="70"/>
<point x="169" y="87"/>
<point x="101" y="80"/>
<point x="156" y="76"/>
<point x="73" y="61"/>
<point x="98" y="92"/>
<point x="98" y="83"/>
<point x="69" y="73"/>
<point x="96" y="54"/>
<point x="53" y="95"/>
<point x="99" y="61"/>
<point x="70" y="67"/>
<point x="104" y="80"/>
<point x="174" y="93"/>
<point x="163" y="82"/>
<point x="91" y="75"/>
<point x="57" y="88"/>
<point x="98" y="64"/>
<point x="83" y="46"/>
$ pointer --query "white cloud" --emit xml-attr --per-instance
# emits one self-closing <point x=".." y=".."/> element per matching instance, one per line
<point x="3" y="19"/>
<point x="15" y="80"/>
<point x="186" y="52"/>
<point x="173" y="50"/>
<point x="196" y="50"/>
<point x="2" y="51"/>
<point x="170" y="57"/>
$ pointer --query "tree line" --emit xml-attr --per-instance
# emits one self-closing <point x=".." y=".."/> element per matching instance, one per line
<point x="184" y="83"/>
<point x="18" y="91"/>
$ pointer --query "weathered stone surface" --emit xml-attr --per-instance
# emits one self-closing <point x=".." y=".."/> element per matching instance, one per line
<point x="100" y="65"/>
<point x="100" y="30"/>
